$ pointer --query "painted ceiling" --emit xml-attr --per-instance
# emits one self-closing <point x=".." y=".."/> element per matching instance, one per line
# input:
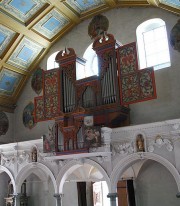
<point x="28" y="28"/>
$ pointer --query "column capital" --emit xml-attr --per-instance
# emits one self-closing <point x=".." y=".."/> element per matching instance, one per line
<point x="112" y="195"/>
<point x="16" y="195"/>
<point x="58" y="196"/>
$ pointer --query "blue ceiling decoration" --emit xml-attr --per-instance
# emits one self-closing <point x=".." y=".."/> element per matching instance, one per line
<point x="25" y="54"/>
<point x="85" y="5"/>
<point x="51" y="24"/>
<point x="174" y="3"/>
<point x="9" y="81"/>
<point x="23" y="10"/>
<point x="6" y="35"/>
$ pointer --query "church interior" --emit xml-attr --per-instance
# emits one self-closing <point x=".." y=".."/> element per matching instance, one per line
<point x="89" y="102"/>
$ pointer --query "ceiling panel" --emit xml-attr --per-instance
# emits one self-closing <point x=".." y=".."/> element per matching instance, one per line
<point x="81" y="6"/>
<point x="172" y="3"/>
<point x="51" y="24"/>
<point x="22" y="10"/>
<point x="9" y="81"/>
<point x="6" y="36"/>
<point x="25" y="53"/>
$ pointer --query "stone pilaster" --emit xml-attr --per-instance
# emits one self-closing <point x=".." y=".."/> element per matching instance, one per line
<point x="58" y="199"/>
<point x="112" y="197"/>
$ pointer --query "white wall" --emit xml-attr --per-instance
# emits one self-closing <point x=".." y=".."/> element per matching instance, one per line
<point x="38" y="194"/>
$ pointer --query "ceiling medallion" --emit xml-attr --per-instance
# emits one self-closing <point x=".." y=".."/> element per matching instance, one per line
<point x="36" y="81"/>
<point x="28" y="116"/>
<point x="98" y="26"/>
<point x="175" y="36"/>
<point x="4" y="123"/>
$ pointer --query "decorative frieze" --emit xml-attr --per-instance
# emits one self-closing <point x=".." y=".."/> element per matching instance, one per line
<point x="159" y="142"/>
<point x="122" y="148"/>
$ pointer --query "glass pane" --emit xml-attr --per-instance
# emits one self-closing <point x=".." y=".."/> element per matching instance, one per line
<point x="150" y="49"/>
<point x="148" y="36"/>
<point x="151" y="60"/>
<point x="159" y="33"/>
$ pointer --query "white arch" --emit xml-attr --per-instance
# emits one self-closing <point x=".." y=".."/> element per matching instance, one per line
<point x="129" y="160"/>
<point x="74" y="164"/>
<point x="4" y="169"/>
<point x="51" y="63"/>
<point x="42" y="171"/>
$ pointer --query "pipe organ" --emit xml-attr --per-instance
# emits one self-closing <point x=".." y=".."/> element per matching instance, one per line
<point x="105" y="97"/>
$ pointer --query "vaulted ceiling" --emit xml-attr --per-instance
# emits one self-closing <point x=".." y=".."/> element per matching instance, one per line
<point x="28" y="28"/>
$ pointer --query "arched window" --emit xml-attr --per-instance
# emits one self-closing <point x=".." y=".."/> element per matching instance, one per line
<point x="152" y="44"/>
<point x="51" y="64"/>
<point x="91" y="67"/>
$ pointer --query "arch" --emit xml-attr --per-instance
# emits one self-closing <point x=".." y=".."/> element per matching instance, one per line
<point x="129" y="160"/>
<point x="38" y="169"/>
<point x="51" y="63"/>
<point x="91" y="67"/>
<point x="74" y="164"/>
<point x="4" y="169"/>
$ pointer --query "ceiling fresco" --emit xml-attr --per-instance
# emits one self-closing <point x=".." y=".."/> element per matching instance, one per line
<point x="9" y="80"/>
<point x="81" y="6"/>
<point x="51" y="24"/>
<point x="174" y="3"/>
<point x="28" y="28"/>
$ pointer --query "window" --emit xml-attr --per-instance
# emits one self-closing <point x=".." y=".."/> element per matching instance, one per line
<point x="152" y="43"/>
<point x="51" y="64"/>
<point x="91" y="67"/>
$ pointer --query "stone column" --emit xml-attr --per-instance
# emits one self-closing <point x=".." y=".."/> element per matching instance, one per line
<point x="58" y="199"/>
<point x="106" y="138"/>
<point x="17" y="199"/>
<point x="112" y="197"/>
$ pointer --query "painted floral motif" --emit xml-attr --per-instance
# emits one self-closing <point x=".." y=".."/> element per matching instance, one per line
<point x="51" y="82"/>
<point x="138" y="87"/>
<point x="146" y="83"/>
<point x="39" y="109"/>
<point x="51" y="106"/>
<point x="130" y="88"/>
<point x="127" y="59"/>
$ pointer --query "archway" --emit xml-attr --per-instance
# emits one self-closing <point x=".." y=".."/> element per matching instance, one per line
<point x="83" y="170"/>
<point x="155" y="185"/>
<point x="126" y="162"/>
<point x="6" y="180"/>
<point x="39" y="182"/>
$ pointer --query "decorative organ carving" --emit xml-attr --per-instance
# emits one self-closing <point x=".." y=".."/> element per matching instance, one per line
<point x="105" y="97"/>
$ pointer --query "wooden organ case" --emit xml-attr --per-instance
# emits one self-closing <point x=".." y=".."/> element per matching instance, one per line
<point x="68" y="100"/>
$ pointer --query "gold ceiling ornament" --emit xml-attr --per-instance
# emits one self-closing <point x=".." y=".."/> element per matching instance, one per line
<point x="175" y="36"/>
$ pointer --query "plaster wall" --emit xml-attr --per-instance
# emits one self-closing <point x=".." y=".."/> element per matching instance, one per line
<point x="155" y="186"/>
<point x="3" y="184"/>
<point x="166" y="106"/>
<point x="71" y="196"/>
